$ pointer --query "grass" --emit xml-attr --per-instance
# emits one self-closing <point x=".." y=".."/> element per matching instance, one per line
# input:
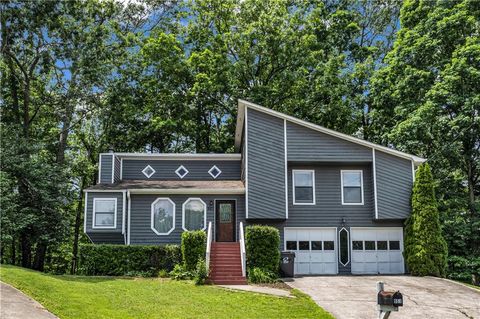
<point x="115" y="297"/>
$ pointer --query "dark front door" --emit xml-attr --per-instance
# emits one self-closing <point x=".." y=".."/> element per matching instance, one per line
<point x="225" y="220"/>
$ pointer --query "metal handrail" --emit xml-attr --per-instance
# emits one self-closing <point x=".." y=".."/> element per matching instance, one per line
<point x="209" y="246"/>
<point x="243" y="254"/>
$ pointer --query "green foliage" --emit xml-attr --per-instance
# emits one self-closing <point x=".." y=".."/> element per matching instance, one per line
<point x="259" y="276"/>
<point x="425" y="248"/>
<point x="262" y="247"/>
<point x="466" y="269"/>
<point x="121" y="260"/>
<point x="179" y="272"/>
<point x="201" y="273"/>
<point x="193" y="248"/>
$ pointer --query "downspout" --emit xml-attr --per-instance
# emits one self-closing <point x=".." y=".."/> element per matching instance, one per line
<point x="128" y="212"/>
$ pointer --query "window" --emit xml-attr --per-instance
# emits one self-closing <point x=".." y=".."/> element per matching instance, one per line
<point x="194" y="216"/>
<point x="382" y="245"/>
<point x="316" y="245"/>
<point x="394" y="245"/>
<point x="163" y="216"/>
<point x="148" y="171"/>
<point x="369" y="245"/>
<point x="328" y="245"/>
<point x="104" y="213"/>
<point x="303" y="187"/>
<point x="181" y="171"/>
<point x="303" y="245"/>
<point x="291" y="245"/>
<point x="214" y="171"/>
<point x="357" y="245"/>
<point x="344" y="249"/>
<point x="352" y="187"/>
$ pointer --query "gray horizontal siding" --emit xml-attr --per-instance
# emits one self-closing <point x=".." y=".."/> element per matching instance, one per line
<point x="394" y="186"/>
<point x="307" y="145"/>
<point x="106" y="168"/>
<point x="140" y="228"/>
<point x="90" y="196"/>
<point x="266" y="166"/>
<point x="106" y="238"/>
<point x="165" y="169"/>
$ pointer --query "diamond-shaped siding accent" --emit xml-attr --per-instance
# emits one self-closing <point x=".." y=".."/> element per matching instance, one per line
<point x="181" y="171"/>
<point x="148" y="171"/>
<point x="214" y="171"/>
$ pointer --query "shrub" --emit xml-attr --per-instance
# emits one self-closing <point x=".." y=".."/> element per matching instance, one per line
<point x="193" y="248"/>
<point x="180" y="273"/>
<point x="259" y="276"/>
<point x="201" y="273"/>
<point x="466" y="269"/>
<point x="262" y="245"/>
<point x="121" y="260"/>
<point x="425" y="247"/>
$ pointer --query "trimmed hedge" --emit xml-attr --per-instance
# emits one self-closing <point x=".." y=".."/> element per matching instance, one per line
<point x="121" y="260"/>
<point x="262" y="245"/>
<point x="193" y="248"/>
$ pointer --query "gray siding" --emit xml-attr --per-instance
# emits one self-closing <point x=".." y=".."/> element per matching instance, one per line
<point x="90" y="197"/>
<point x="307" y="145"/>
<point x="266" y="166"/>
<point x="140" y="229"/>
<point x="394" y="186"/>
<point x="106" y="169"/>
<point x="165" y="169"/>
<point x="106" y="238"/>
<point x="118" y="164"/>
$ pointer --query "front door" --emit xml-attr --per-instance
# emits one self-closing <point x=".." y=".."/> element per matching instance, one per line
<point x="225" y="220"/>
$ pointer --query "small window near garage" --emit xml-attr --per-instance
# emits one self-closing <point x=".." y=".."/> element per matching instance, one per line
<point x="214" y="171"/>
<point x="181" y="171"/>
<point x="344" y="249"/>
<point x="194" y="214"/>
<point x="303" y="187"/>
<point x="104" y="212"/>
<point x="303" y="245"/>
<point x="352" y="187"/>
<point x="328" y="245"/>
<point x="291" y="245"/>
<point x="316" y="245"/>
<point x="382" y="245"/>
<point x="163" y="216"/>
<point x="369" y="245"/>
<point x="357" y="245"/>
<point x="394" y="244"/>
<point x="148" y="171"/>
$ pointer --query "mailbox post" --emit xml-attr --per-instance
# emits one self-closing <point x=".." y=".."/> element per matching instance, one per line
<point x="387" y="301"/>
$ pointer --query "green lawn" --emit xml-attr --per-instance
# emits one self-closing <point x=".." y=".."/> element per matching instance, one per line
<point x="111" y="297"/>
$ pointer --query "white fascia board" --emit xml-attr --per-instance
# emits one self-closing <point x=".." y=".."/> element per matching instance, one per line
<point x="179" y="156"/>
<point x="104" y="190"/>
<point x="189" y="191"/>
<point x="243" y="104"/>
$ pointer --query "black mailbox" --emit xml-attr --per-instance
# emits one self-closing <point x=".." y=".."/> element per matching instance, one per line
<point x="390" y="298"/>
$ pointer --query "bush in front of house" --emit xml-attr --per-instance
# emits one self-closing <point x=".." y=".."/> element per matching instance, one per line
<point x="260" y="276"/>
<point x="262" y="246"/>
<point x="122" y="260"/>
<point x="193" y="248"/>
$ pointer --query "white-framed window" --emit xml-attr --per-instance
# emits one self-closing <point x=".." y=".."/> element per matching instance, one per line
<point x="214" y="171"/>
<point x="104" y="213"/>
<point x="194" y="214"/>
<point x="352" y="187"/>
<point x="163" y="216"/>
<point x="148" y="171"/>
<point x="303" y="187"/>
<point x="181" y="171"/>
<point x="344" y="244"/>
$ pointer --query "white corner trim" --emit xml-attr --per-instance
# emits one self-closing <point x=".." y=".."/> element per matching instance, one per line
<point x="413" y="173"/>
<point x="113" y="168"/>
<point x="85" y="213"/>
<point x="340" y="247"/>
<point x="286" y="165"/>
<point x="99" y="169"/>
<point x="313" y="185"/>
<point x="123" y="211"/>
<point x="374" y="169"/>
<point x="114" y="213"/>
<point x="144" y="171"/>
<point x="246" y="163"/>
<point x="210" y="171"/>
<point x="361" y="184"/>
<point x="177" y="171"/>
<point x="121" y="168"/>
<point x="152" y="212"/>
<point x="128" y="212"/>
<point x="204" y="212"/>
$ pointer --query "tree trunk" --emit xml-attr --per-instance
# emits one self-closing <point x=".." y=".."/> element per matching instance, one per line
<point x="76" y="236"/>
<point x="40" y="252"/>
<point x="26" y="251"/>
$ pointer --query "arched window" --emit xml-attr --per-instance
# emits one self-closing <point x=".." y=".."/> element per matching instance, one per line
<point x="163" y="216"/>
<point x="194" y="214"/>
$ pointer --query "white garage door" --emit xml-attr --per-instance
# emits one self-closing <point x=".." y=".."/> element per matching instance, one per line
<point x="377" y="250"/>
<point x="315" y="250"/>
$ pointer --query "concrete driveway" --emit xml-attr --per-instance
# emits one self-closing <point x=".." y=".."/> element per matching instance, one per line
<point x="423" y="297"/>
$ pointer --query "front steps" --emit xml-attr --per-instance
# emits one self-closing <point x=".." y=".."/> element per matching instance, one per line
<point x="226" y="264"/>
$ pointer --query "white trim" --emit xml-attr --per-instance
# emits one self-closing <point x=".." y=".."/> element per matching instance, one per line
<point x="180" y="156"/>
<point x="348" y="247"/>
<point x="152" y="212"/>
<point x="85" y="214"/>
<point x="99" y="169"/>
<point x="215" y="217"/>
<point x="121" y="168"/>
<point x="128" y="211"/>
<point x="178" y="170"/>
<point x="413" y="173"/>
<point x="104" y="190"/>
<point x="123" y="212"/>
<point x="211" y="169"/>
<point x="313" y="185"/>
<point x="114" y="213"/>
<point x="286" y="165"/>
<point x="113" y="168"/>
<point x="374" y="169"/>
<point x="182" y="191"/>
<point x="246" y="104"/>
<point x="361" y="184"/>
<point x="204" y="212"/>
<point x="145" y="169"/>
<point x="246" y="163"/>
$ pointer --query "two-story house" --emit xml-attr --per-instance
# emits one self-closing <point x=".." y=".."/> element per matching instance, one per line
<point x="339" y="202"/>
